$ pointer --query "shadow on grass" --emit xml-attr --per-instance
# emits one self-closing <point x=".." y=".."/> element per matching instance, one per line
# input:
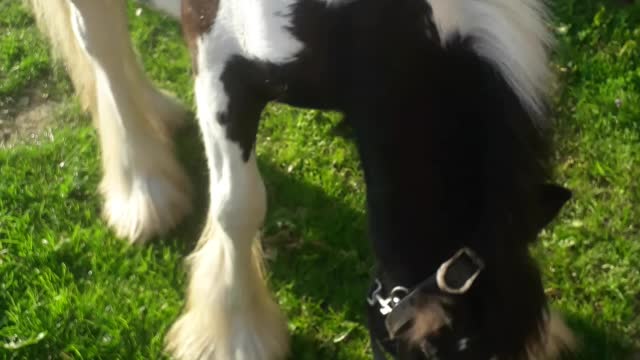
<point x="318" y="251"/>
<point x="599" y="344"/>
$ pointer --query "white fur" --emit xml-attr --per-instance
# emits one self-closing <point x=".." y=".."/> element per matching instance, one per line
<point x="146" y="191"/>
<point x="230" y="313"/>
<point x="260" y="27"/>
<point x="512" y="34"/>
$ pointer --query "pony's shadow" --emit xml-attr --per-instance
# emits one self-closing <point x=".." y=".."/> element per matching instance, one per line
<point x="317" y="251"/>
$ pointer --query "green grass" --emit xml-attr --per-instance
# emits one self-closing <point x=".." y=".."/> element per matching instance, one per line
<point x="70" y="290"/>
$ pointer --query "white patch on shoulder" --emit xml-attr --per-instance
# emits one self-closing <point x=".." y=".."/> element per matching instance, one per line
<point x="260" y="27"/>
<point x="511" y="34"/>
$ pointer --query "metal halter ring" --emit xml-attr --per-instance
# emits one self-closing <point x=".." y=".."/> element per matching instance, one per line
<point x="442" y="272"/>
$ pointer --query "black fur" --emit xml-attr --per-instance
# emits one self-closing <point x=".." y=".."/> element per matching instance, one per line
<point x="451" y="159"/>
<point x="450" y="156"/>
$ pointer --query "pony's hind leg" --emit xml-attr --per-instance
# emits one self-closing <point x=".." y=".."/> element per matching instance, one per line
<point x="145" y="189"/>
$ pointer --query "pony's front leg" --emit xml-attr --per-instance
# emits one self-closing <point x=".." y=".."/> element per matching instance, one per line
<point x="230" y="313"/>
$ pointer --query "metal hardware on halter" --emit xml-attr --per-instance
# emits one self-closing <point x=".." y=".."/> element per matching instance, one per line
<point x="442" y="272"/>
<point x="469" y="270"/>
<point x="455" y="276"/>
<point x="386" y="304"/>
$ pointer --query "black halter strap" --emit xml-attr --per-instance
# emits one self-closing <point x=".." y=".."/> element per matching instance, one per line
<point x="454" y="277"/>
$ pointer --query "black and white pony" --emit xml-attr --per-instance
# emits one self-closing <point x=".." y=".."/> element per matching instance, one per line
<point x="447" y="100"/>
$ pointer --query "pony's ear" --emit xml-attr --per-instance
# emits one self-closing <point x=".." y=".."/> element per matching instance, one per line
<point x="552" y="199"/>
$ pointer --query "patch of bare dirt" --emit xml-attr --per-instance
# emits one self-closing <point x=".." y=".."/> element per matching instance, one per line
<point x="26" y="120"/>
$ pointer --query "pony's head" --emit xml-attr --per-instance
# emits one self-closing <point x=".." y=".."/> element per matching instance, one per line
<point x="457" y="160"/>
